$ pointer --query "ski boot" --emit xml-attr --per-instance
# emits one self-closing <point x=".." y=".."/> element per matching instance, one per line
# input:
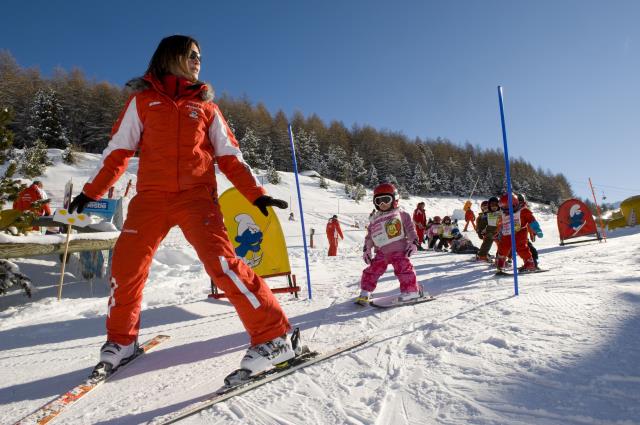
<point x="262" y="357"/>
<point x="112" y="356"/>
<point x="363" y="298"/>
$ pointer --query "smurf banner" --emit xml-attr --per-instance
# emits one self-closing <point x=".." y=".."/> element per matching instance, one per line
<point x="257" y="240"/>
<point x="575" y="219"/>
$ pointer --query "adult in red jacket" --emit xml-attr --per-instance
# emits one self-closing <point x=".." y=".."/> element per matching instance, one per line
<point x="420" y="223"/>
<point x="333" y="233"/>
<point x="27" y="197"/>
<point x="179" y="132"/>
<point x="523" y="220"/>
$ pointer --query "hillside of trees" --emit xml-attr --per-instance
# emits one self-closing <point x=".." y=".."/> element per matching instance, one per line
<point x="70" y="112"/>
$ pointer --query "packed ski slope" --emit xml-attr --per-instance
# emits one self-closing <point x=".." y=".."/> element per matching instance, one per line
<point x="565" y="351"/>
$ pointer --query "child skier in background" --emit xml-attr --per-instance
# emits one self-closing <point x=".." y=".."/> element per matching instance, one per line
<point x="446" y="233"/>
<point x="469" y="217"/>
<point x="523" y="219"/>
<point x="393" y="237"/>
<point x="433" y="231"/>
<point x="532" y="234"/>
<point x="487" y="226"/>
<point x="461" y="244"/>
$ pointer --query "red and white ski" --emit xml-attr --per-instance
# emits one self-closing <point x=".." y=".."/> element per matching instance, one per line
<point x="51" y="410"/>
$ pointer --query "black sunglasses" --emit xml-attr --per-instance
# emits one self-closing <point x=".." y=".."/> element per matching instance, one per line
<point x="383" y="199"/>
<point x="195" y="55"/>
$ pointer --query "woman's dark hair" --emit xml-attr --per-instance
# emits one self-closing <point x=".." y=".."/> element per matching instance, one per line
<point x="168" y="53"/>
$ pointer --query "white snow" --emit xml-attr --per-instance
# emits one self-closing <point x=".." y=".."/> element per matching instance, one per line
<point x="565" y="351"/>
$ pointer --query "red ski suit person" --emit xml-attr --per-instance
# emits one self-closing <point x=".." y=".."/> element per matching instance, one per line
<point x="333" y="233"/>
<point x="522" y="219"/>
<point x="28" y="196"/>
<point x="179" y="133"/>
<point x="420" y="222"/>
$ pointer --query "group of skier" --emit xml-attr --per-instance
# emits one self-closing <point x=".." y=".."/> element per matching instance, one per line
<point x="395" y="236"/>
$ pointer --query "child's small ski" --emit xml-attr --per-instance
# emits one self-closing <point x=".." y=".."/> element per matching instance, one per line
<point x="51" y="410"/>
<point x="307" y="358"/>
<point x="508" y="273"/>
<point x="394" y="301"/>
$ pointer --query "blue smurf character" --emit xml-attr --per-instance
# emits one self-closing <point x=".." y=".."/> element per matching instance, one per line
<point x="576" y="217"/>
<point x="250" y="239"/>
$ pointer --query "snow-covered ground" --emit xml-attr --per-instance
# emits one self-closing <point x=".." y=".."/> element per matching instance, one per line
<point x="565" y="351"/>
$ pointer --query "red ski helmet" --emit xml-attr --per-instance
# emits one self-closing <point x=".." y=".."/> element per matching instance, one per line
<point x="436" y="219"/>
<point x="382" y="191"/>
<point x="504" y="202"/>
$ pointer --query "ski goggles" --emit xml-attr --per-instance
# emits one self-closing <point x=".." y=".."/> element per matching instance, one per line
<point x="382" y="199"/>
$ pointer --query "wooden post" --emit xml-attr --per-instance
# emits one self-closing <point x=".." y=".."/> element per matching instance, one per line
<point x="64" y="261"/>
<point x="604" y="233"/>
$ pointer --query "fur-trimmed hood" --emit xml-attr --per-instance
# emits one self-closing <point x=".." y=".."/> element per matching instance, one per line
<point x="139" y="84"/>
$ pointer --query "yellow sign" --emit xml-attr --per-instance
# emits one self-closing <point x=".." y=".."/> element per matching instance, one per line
<point x="61" y="215"/>
<point x="257" y="240"/>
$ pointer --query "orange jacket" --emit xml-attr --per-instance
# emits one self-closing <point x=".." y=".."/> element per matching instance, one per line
<point x="334" y="230"/>
<point x="27" y="197"/>
<point x="178" y="141"/>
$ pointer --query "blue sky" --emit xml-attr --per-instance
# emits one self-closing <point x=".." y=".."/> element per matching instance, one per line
<point x="570" y="68"/>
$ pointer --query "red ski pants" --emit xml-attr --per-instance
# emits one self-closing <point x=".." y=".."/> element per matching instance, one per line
<point x="333" y="247"/>
<point x="522" y="248"/>
<point x="151" y="215"/>
<point x="402" y="268"/>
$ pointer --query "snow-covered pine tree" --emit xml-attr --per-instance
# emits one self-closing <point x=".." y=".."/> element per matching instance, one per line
<point x="358" y="192"/>
<point x="9" y="187"/>
<point x="68" y="156"/>
<point x="272" y="175"/>
<point x="6" y="135"/>
<point x="372" y="176"/>
<point x="250" y="147"/>
<point x="336" y="159"/>
<point x="11" y="276"/>
<point x="420" y="182"/>
<point x="35" y="160"/>
<point x="405" y="173"/>
<point x="358" y="172"/>
<point x="47" y="120"/>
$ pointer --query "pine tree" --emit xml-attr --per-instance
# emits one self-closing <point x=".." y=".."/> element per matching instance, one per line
<point x="250" y="147"/>
<point x="336" y="159"/>
<point x="272" y="175"/>
<point x="6" y="135"/>
<point x="10" y="276"/>
<point x="9" y="187"/>
<point x="420" y="182"/>
<point x="46" y="120"/>
<point x="372" y="176"/>
<point x="358" y="172"/>
<point x="34" y="161"/>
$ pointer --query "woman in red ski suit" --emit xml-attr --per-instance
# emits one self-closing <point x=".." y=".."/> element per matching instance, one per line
<point x="334" y="231"/>
<point x="179" y="133"/>
<point x="523" y="220"/>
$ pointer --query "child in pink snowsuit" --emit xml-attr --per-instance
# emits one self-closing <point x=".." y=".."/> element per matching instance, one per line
<point x="393" y="236"/>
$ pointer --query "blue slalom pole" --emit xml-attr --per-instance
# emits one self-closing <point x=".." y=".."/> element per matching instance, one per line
<point x="304" y="235"/>
<point x="506" y="161"/>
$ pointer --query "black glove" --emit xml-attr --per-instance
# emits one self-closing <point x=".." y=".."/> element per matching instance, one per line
<point x="267" y="201"/>
<point x="79" y="202"/>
